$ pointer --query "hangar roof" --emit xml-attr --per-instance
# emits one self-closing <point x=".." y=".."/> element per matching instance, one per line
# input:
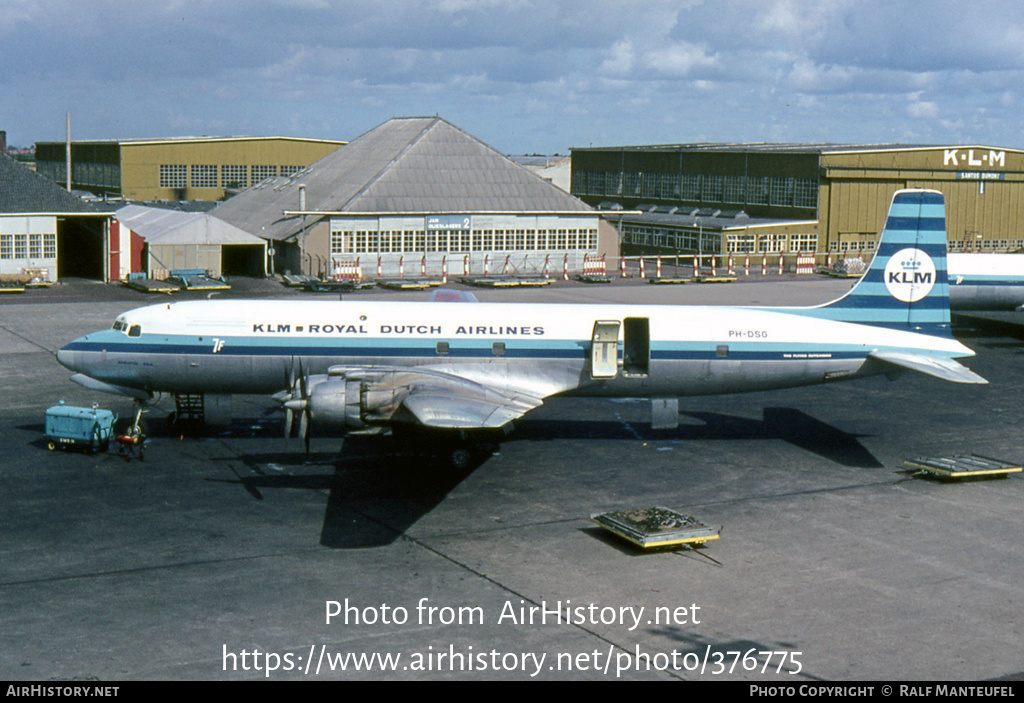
<point x="692" y="218"/>
<point x="405" y="165"/>
<point x="810" y="148"/>
<point x="193" y="140"/>
<point x="161" y="226"/>
<point x="23" y="191"/>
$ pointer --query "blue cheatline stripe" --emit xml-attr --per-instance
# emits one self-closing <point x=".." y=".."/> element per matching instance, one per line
<point x="560" y="349"/>
<point x="339" y="348"/>
<point x="882" y="300"/>
<point x="866" y="315"/>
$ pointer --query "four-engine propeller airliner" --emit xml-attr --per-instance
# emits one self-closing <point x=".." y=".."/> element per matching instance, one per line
<point x="468" y="368"/>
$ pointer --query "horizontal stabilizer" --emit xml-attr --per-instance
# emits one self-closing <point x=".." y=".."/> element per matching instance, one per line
<point x="939" y="367"/>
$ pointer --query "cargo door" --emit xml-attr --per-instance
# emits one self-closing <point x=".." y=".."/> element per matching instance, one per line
<point x="604" y="349"/>
<point x="636" y="346"/>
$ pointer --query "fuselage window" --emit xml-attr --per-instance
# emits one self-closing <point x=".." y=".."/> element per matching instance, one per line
<point x="134" y="331"/>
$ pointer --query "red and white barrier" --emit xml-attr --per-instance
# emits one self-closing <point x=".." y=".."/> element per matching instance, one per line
<point x="593" y="265"/>
<point x="805" y="263"/>
<point x="347" y="270"/>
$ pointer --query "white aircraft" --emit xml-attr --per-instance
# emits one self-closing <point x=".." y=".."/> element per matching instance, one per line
<point x="466" y="368"/>
<point x="986" y="281"/>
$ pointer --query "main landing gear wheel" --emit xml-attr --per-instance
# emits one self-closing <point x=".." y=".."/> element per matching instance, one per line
<point x="463" y="455"/>
<point x="460" y="457"/>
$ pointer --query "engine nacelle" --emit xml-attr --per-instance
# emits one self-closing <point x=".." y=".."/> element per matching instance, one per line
<point x="351" y="403"/>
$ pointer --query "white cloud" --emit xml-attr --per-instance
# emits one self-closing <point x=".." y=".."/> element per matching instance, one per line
<point x="834" y="69"/>
<point x="678" y="59"/>
<point x="922" y="109"/>
<point x="620" y="61"/>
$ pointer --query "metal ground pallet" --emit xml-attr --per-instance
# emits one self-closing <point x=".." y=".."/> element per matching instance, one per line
<point x="963" y="466"/>
<point x="656" y="527"/>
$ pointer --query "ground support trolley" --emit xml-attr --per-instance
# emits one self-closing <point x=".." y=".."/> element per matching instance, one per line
<point x="656" y="527"/>
<point x="963" y="466"/>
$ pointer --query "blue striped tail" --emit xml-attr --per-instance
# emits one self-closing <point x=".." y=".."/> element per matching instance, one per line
<point x="906" y="286"/>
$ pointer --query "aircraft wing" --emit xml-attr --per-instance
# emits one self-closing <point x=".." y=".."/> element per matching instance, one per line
<point x="939" y="367"/>
<point x="466" y="408"/>
<point x="435" y="398"/>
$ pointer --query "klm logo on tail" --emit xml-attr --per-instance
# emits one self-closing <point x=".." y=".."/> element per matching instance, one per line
<point x="910" y="275"/>
<point x="905" y="286"/>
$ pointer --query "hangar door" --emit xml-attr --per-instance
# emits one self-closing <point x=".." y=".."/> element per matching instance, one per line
<point x="244" y="259"/>
<point x="80" y="245"/>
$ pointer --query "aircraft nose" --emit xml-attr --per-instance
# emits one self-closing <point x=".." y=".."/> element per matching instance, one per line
<point x="66" y="358"/>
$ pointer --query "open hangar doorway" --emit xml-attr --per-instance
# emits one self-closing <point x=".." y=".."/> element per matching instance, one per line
<point x="80" y="247"/>
<point x="244" y="260"/>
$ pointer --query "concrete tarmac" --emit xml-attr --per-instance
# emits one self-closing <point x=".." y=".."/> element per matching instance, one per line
<point x="236" y="555"/>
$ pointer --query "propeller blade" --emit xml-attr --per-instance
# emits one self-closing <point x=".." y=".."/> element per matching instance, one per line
<point x="304" y="428"/>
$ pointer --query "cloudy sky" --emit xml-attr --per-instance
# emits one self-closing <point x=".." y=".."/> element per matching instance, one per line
<point x="525" y="76"/>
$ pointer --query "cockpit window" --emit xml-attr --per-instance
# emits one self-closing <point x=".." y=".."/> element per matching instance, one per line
<point x="134" y="331"/>
<point x="119" y="325"/>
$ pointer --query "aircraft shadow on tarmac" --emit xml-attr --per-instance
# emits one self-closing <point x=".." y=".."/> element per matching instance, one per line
<point x="786" y="424"/>
<point x="380" y="486"/>
<point x="377" y="487"/>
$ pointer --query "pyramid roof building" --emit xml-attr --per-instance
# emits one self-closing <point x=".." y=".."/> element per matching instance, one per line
<point x="406" y="165"/>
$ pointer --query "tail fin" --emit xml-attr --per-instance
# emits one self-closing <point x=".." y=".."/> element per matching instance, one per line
<point x="906" y="286"/>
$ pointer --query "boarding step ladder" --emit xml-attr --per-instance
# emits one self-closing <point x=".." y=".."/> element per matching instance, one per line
<point x="189" y="415"/>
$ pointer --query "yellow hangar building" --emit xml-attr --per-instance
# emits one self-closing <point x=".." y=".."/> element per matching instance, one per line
<point x="790" y="198"/>
<point x="193" y="168"/>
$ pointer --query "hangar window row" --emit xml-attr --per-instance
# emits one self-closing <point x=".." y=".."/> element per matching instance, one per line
<point x="410" y="241"/>
<point x="792" y="243"/>
<point x="986" y="245"/>
<point x="740" y="190"/>
<point x="31" y="246"/>
<point x="100" y="175"/>
<point x="677" y="240"/>
<point x="230" y="175"/>
<point x="685" y="240"/>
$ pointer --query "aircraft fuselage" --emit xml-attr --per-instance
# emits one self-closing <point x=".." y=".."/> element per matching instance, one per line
<point x="650" y="351"/>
